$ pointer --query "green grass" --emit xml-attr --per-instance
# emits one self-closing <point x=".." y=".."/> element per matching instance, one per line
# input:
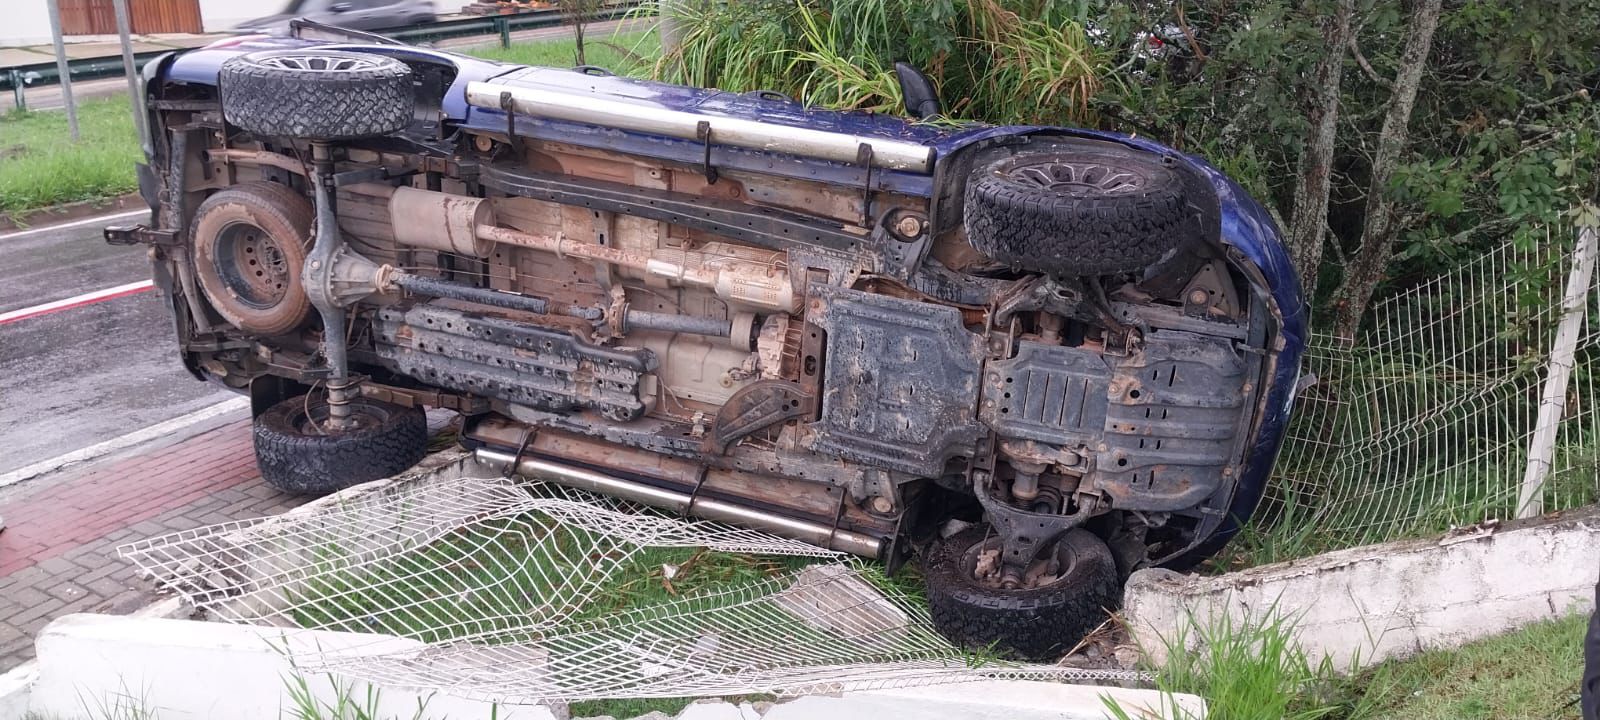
<point x="632" y="53"/>
<point x="41" y="166"/>
<point x="1531" y="674"/>
<point x="1254" y="671"/>
<point x="1245" y="671"/>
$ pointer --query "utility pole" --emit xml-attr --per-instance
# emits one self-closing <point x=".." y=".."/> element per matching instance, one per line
<point x="130" y="69"/>
<point x="61" y="67"/>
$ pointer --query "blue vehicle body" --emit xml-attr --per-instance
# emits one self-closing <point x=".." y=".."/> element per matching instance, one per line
<point x="1245" y="226"/>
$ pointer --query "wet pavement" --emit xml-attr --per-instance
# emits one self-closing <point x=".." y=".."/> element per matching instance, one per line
<point x="89" y="373"/>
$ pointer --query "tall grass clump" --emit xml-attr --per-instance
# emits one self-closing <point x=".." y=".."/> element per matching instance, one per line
<point x="1010" y="61"/>
<point x="1246" y="670"/>
<point x="40" y="165"/>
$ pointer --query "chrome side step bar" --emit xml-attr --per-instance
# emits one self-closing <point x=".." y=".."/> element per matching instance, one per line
<point x="721" y="130"/>
<point x="685" y="504"/>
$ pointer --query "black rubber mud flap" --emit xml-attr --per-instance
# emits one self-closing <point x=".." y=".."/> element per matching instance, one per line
<point x="299" y="452"/>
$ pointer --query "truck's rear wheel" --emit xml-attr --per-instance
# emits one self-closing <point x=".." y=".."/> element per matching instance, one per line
<point x="299" y="452"/>
<point x="1037" y="622"/>
<point x="249" y="245"/>
<point x="317" y="94"/>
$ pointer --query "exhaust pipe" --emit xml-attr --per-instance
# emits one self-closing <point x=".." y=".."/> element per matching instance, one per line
<point x="682" y="503"/>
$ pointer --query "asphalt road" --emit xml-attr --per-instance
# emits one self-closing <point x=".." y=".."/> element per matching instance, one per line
<point x="88" y="373"/>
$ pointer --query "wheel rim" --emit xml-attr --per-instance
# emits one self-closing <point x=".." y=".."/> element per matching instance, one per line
<point x="980" y="564"/>
<point x="318" y="62"/>
<point x="312" y="417"/>
<point x="1057" y="175"/>
<point x="252" y="265"/>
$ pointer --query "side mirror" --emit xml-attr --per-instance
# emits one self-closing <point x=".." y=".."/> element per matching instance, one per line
<point x="921" y="100"/>
<point x="342" y="7"/>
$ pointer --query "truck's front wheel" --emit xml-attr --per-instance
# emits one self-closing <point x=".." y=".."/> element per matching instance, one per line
<point x="1064" y="597"/>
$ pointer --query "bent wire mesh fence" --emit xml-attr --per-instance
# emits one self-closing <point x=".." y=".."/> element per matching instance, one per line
<point x="1426" y="422"/>
<point x="525" y="592"/>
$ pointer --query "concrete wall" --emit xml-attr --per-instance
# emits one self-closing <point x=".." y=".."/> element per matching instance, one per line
<point x="132" y="666"/>
<point x="1366" y="604"/>
<point x="187" y="669"/>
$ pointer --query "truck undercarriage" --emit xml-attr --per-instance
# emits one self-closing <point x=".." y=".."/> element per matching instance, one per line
<point x="1044" y="395"/>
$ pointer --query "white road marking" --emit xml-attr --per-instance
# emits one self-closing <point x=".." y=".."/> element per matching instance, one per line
<point x="87" y="298"/>
<point x="73" y="224"/>
<point x="126" y="441"/>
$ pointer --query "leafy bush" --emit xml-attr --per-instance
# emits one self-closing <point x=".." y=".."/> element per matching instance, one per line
<point x="999" y="60"/>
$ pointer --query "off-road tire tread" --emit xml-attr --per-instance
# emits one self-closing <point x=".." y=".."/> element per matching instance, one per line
<point x="302" y="464"/>
<point x="347" y="105"/>
<point x="1064" y="234"/>
<point x="1039" y="624"/>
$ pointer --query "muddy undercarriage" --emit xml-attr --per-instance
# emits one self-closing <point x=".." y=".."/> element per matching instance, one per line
<point x="839" y="363"/>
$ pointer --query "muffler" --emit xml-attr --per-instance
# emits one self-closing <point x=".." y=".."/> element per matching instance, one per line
<point x="685" y="504"/>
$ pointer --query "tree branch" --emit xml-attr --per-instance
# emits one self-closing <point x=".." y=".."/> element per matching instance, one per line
<point x="1355" y="51"/>
<point x="1183" y="24"/>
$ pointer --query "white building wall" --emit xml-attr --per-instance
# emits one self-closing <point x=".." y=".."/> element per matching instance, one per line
<point x="27" y="23"/>
<point x="223" y="15"/>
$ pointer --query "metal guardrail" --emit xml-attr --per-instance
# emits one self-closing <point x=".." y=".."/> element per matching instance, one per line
<point x="18" y="77"/>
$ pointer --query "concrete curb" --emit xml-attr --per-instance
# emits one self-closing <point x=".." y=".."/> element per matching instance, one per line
<point x="1367" y="604"/>
<point x="174" y="430"/>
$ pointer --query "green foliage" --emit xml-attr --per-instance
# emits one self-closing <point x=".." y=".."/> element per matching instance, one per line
<point x="1504" y="138"/>
<point x="998" y="60"/>
<point x="41" y="166"/>
<point x="346" y="704"/>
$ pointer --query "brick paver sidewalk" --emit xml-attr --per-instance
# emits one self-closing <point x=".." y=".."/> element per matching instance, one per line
<point x="58" y="550"/>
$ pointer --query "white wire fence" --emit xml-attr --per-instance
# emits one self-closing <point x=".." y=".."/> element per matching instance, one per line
<point x="1428" y="420"/>
<point x="526" y="592"/>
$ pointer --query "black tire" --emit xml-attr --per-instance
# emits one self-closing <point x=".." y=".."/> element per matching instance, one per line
<point x="317" y="94"/>
<point x="1079" y="212"/>
<point x="1038" y="623"/>
<point x="297" y="458"/>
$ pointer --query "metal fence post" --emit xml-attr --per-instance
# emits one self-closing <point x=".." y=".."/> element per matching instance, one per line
<point x="62" y="69"/>
<point x="1553" y="401"/>
<point x="504" y="27"/>
<point x="131" y="70"/>
<point x="20" y="97"/>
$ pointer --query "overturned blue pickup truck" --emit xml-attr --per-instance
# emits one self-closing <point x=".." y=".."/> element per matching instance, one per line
<point x="1030" y="359"/>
